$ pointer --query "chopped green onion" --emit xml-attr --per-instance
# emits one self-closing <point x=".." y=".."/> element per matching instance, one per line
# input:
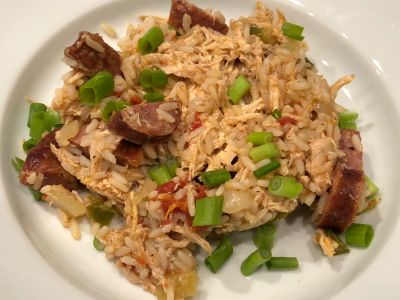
<point x="285" y="187"/>
<point x="111" y="107"/>
<point x="29" y="144"/>
<point x="153" y="97"/>
<point x="56" y="119"/>
<point x="215" y="178"/>
<point x="40" y="123"/>
<point x="219" y="256"/>
<point x="152" y="78"/>
<point x="282" y="263"/>
<point x="359" y="235"/>
<point x="372" y="188"/>
<point x="347" y="120"/>
<point x="259" y="138"/>
<point x="18" y="164"/>
<point x="341" y="248"/>
<point x="100" y="213"/>
<point x="293" y="31"/>
<point x="208" y="211"/>
<point x="36" y="194"/>
<point x="172" y="164"/>
<point x="268" y="168"/>
<point x="277" y="114"/>
<point x="268" y="150"/>
<point x="34" y="107"/>
<point x="265" y="34"/>
<point x="97" y="244"/>
<point x="238" y="89"/>
<point x="254" y="30"/>
<point x="96" y="88"/>
<point x="159" y="174"/>
<point x="264" y="237"/>
<point x="254" y="261"/>
<point x="150" y="40"/>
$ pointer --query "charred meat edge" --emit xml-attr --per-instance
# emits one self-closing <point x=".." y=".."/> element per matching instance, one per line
<point x="198" y="16"/>
<point x="340" y="207"/>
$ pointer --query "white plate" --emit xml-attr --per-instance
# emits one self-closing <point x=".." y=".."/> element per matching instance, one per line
<point x="39" y="259"/>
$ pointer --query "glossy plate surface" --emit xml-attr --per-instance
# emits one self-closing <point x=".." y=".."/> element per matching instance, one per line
<point x="40" y="260"/>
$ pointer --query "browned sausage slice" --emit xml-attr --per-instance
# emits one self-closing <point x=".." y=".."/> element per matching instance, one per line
<point x="41" y="159"/>
<point x="146" y="122"/>
<point x="90" y="54"/>
<point x="129" y="153"/>
<point x="339" y="209"/>
<point x="198" y="16"/>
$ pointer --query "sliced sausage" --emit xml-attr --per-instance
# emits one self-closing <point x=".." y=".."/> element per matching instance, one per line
<point x="90" y="55"/>
<point x="198" y="16"/>
<point x="338" y="210"/>
<point x="128" y="153"/>
<point x="41" y="159"/>
<point x="146" y="122"/>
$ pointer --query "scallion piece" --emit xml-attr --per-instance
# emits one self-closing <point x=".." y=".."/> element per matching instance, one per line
<point x="342" y="247"/>
<point x="159" y="174"/>
<point x="215" y="178"/>
<point x="150" y="40"/>
<point x="36" y="194"/>
<point x="254" y="261"/>
<point x="18" y="164"/>
<point x="238" y="89"/>
<point x="285" y="187"/>
<point x="372" y="188"/>
<point x="172" y="164"/>
<point x="347" y="119"/>
<point x="359" y="235"/>
<point x="153" y="97"/>
<point x="96" y="88"/>
<point x="268" y="150"/>
<point x="259" y="138"/>
<point x="29" y="144"/>
<point x="153" y="78"/>
<point x="40" y="122"/>
<point x="34" y="107"/>
<point x="282" y="263"/>
<point x="277" y="114"/>
<point x="97" y="244"/>
<point x="293" y="31"/>
<point x="264" y="237"/>
<point x="219" y="256"/>
<point x="268" y="168"/>
<point x="265" y="34"/>
<point x="110" y="108"/>
<point x="100" y="213"/>
<point x="208" y="211"/>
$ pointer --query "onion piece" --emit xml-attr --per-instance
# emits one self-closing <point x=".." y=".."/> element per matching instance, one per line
<point x="236" y="200"/>
<point x="63" y="199"/>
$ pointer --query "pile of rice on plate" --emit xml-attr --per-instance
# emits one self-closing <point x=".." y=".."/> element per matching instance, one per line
<point x="91" y="166"/>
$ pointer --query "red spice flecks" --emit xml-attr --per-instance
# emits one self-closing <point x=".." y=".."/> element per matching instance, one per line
<point x="196" y="122"/>
<point x="287" y="120"/>
<point x="200" y="228"/>
<point x="135" y="99"/>
<point x="201" y="191"/>
<point x="118" y="94"/>
<point x="168" y="187"/>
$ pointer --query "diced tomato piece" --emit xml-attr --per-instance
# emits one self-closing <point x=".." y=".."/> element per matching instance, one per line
<point x="201" y="191"/>
<point x="135" y="99"/>
<point x="118" y="94"/>
<point x="287" y="120"/>
<point x="167" y="187"/>
<point x="196" y="122"/>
